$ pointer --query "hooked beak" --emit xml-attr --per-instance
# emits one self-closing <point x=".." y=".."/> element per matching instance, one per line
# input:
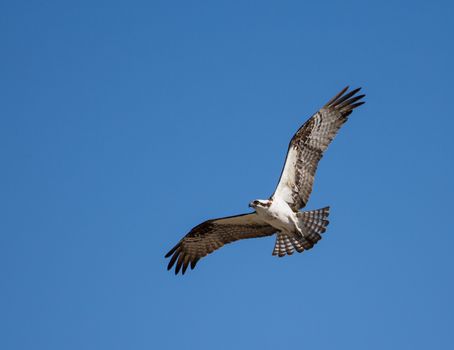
<point x="251" y="205"/>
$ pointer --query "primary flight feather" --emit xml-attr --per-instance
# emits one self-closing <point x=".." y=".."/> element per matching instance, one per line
<point x="280" y="215"/>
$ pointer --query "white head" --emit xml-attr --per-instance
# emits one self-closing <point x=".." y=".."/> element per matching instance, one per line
<point x="260" y="203"/>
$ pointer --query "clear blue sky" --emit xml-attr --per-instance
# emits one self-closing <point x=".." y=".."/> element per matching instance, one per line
<point x="125" y="123"/>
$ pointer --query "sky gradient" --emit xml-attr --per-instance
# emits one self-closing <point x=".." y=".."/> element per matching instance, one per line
<point x="126" y="123"/>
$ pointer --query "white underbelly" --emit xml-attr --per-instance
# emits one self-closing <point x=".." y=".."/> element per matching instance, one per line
<point x="282" y="220"/>
<point x="282" y="224"/>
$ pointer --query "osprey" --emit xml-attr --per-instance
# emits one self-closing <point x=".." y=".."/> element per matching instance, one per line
<point x="280" y="214"/>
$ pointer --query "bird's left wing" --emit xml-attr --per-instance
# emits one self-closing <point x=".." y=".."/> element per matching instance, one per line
<point x="308" y="145"/>
<point x="213" y="234"/>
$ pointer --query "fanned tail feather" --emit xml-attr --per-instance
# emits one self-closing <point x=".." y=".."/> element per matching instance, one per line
<point x="283" y="245"/>
<point x="286" y="245"/>
<point x="313" y="224"/>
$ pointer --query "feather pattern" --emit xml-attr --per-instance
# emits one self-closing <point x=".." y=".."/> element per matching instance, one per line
<point x="313" y="222"/>
<point x="294" y="188"/>
<point x="212" y="235"/>
<point x="308" y="145"/>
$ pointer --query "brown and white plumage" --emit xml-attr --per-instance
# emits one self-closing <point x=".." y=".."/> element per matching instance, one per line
<point x="315" y="222"/>
<point x="280" y="214"/>
<point x="213" y="234"/>
<point x="307" y="146"/>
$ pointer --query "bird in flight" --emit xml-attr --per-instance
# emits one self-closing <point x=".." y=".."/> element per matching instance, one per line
<point x="280" y="214"/>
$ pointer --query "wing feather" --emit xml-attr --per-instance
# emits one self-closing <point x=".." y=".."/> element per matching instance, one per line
<point x="307" y="146"/>
<point x="212" y="235"/>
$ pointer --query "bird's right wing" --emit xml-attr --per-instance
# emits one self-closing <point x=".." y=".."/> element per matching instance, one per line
<point x="213" y="234"/>
<point x="308" y="145"/>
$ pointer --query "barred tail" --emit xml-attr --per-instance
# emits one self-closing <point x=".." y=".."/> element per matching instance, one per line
<point x="313" y="223"/>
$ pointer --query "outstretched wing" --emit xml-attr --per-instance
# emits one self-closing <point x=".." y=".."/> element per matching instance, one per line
<point x="213" y="234"/>
<point x="307" y="146"/>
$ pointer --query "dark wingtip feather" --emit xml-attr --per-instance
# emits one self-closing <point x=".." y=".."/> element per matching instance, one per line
<point x="353" y="106"/>
<point x="346" y="103"/>
<point x="194" y="263"/>
<point x="179" y="264"/>
<point x="185" y="265"/>
<point x="339" y="94"/>
<point x="172" y="261"/>
<point x="341" y="99"/>
<point x="172" y="250"/>
<point x="349" y="102"/>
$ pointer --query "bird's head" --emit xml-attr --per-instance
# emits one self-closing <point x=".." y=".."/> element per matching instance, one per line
<point x="260" y="203"/>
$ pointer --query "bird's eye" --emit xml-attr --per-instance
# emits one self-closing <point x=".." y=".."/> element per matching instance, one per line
<point x="256" y="202"/>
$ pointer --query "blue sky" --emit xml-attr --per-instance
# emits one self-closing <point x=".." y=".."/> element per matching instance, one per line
<point x="124" y="124"/>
